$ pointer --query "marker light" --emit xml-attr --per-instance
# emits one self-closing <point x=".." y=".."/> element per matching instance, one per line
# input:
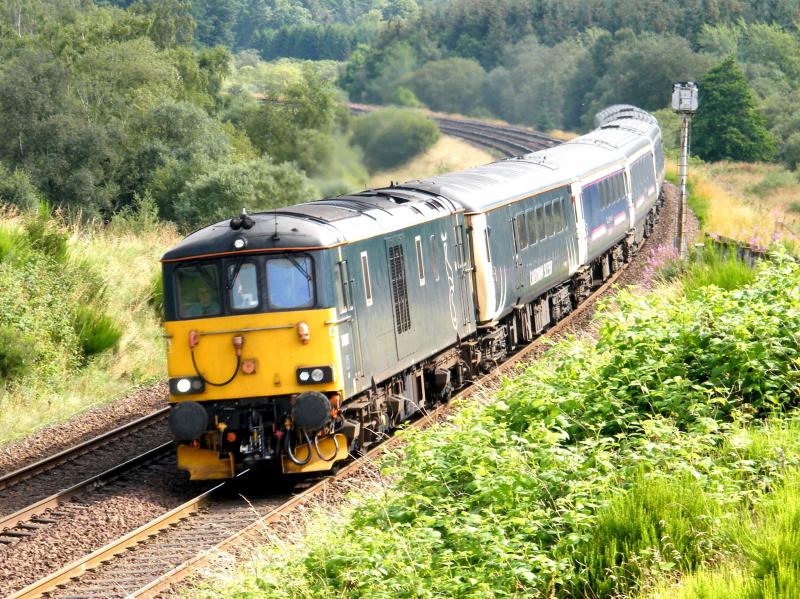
<point x="317" y="375"/>
<point x="184" y="385"/>
<point x="239" y="243"/>
<point x="304" y="375"/>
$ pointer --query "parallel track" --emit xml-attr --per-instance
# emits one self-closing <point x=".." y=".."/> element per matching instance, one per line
<point x="51" y="462"/>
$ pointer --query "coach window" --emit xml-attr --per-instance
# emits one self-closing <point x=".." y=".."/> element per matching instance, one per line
<point x="533" y="235"/>
<point x="558" y="220"/>
<point x="548" y="219"/>
<point x="420" y="263"/>
<point x="198" y="291"/>
<point x="365" y="276"/>
<point x="243" y="285"/>
<point x="290" y="282"/>
<point x="540" y="222"/>
<point x="524" y="238"/>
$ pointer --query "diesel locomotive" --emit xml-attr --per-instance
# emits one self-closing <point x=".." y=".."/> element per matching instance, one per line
<point x="300" y="335"/>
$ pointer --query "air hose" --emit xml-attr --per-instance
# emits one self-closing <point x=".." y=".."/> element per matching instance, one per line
<point x="335" y="451"/>
<point x="291" y="454"/>
<point x="233" y="376"/>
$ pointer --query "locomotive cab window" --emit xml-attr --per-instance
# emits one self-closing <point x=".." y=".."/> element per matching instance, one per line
<point x="290" y="282"/>
<point x="243" y="286"/>
<point x="198" y="291"/>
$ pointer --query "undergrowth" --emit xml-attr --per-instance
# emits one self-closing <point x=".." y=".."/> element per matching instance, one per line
<point x="601" y="471"/>
<point x="76" y="325"/>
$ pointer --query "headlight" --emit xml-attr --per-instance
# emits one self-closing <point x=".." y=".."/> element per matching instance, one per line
<point x="186" y="385"/>
<point x="311" y="375"/>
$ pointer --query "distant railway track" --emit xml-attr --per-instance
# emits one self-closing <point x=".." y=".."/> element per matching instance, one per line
<point x="158" y="555"/>
<point x="507" y="139"/>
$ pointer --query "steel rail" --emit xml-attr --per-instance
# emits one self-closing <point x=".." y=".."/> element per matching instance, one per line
<point x="53" y="501"/>
<point x="72" y="452"/>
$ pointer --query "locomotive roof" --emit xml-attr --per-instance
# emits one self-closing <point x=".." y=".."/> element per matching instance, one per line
<point x="493" y="185"/>
<point x="318" y="224"/>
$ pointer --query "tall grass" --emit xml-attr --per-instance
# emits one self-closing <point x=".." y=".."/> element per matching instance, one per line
<point x="767" y="565"/>
<point x="97" y="301"/>
<point x="713" y="266"/>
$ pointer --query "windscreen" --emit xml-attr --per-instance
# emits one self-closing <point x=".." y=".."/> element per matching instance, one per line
<point x="198" y="291"/>
<point x="290" y="282"/>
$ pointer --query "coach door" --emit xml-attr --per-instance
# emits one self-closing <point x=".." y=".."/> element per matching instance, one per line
<point x="520" y="240"/>
<point x="401" y="308"/>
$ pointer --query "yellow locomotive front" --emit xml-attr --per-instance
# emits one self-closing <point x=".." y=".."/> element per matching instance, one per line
<point x="253" y="361"/>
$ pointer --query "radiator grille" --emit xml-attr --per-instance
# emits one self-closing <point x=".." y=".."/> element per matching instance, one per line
<point x="397" y="272"/>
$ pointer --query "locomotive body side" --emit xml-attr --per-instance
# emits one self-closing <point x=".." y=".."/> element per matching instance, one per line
<point x="276" y="330"/>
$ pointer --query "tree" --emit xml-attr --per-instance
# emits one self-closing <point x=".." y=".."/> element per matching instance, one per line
<point x="452" y="85"/>
<point x="255" y="185"/>
<point x="727" y="125"/>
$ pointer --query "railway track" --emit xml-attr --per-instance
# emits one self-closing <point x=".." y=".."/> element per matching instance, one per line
<point x="154" y="557"/>
<point x="507" y="139"/>
<point x="74" y="465"/>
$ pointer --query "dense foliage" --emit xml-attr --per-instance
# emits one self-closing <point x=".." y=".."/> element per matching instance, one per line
<point x="598" y="472"/>
<point x="53" y="303"/>
<point x="392" y="136"/>
<point x="101" y="105"/>
<point x="555" y="64"/>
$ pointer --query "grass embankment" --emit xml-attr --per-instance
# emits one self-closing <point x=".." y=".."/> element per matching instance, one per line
<point x="752" y="203"/>
<point x="75" y="320"/>
<point x="446" y="155"/>
<point x="664" y="451"/>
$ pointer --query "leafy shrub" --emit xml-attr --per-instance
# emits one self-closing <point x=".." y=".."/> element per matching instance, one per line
<point x="15" y="353"/>
<point x="392" y="136"/>
<point x="254" y="185"/>
<point x="45" y="235"/>
<point x="96" y="331"/>
<point x="591" y="470"/>
<point x="156" y="298"/>
<point x="794" y="207"/>
<point x="16" y="188"/>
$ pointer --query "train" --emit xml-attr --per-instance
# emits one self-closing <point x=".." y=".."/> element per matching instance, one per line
<point x="301" y="335"/>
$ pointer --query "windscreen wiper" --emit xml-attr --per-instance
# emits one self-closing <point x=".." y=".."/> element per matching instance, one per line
<point x="299" y="267"/>
<point x="236" y="268"/>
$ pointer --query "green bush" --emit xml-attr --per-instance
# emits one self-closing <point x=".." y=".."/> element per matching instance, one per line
<point x="16" y="188"/>
<point x="45" y="235"/>
<point x="156" y="298"/>
<point x="15" y="353"/>
<point x="392" y="136"/>
<point x="606" y="467"/>
<point x="96" y="331"/>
